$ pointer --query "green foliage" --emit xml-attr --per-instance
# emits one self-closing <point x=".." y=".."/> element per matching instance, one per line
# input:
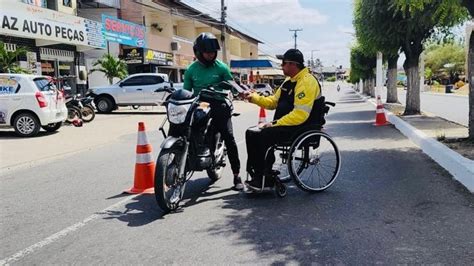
<point x="8" y="59"/>
<point x="331" y="79"/>
<point x="448" y="57"/>
<point x="111" y="66"/>
<point x="377" y="26"/>
<point x="362" y="65"/>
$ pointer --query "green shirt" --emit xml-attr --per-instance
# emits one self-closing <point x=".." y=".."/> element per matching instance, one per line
<point x="198" y="76"/>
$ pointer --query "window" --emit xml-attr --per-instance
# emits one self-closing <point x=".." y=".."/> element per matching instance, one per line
<point x="134" y="81"/>
<point x="44" y="84"/>
<point x="67" y="3"/>
<point x="142" y="80"/>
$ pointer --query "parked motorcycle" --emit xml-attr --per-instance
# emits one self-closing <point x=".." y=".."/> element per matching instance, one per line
<point x="88" y="109"/>
<point x="192" y="145"/>
<point x="74" y="107"/>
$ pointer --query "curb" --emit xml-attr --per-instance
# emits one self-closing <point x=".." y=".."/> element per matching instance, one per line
<point x="461" y="168"/>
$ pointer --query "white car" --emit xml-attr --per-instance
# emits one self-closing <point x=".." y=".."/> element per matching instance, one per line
<point x="263" y="89"/>
<point x="135" y="90"/>
<point x="29" y="103"/>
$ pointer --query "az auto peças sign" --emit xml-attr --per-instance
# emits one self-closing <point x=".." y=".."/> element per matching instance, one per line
<point x="28" y="21"/>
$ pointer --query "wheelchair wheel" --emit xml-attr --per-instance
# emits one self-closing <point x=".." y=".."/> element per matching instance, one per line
<point x="314" y="161"/>
<point x="280" y="189"/>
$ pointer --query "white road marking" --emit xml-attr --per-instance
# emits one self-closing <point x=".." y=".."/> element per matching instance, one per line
<point x="66" y="231"/>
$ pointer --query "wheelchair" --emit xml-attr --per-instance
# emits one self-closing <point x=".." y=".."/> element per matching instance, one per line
<point x="310" y="158"/>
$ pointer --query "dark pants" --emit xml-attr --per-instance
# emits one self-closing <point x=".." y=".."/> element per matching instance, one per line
<point x="258" y="141"/>
<point x="222" y="123"/>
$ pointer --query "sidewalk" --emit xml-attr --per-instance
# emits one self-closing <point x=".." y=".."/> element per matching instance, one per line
<point x="430" y="133"/>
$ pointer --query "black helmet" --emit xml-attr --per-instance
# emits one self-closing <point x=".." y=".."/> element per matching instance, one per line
<point x="206" y="42"/>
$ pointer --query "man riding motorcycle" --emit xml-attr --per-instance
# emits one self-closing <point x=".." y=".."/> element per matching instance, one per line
<point x="293" y="104"/>
<point x="209" y="71"/>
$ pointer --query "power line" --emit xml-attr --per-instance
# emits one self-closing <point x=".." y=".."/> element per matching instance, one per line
<point x="296" y="34"/>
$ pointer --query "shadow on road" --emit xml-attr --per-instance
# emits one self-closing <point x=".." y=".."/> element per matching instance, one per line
<point x="409" y="211"/>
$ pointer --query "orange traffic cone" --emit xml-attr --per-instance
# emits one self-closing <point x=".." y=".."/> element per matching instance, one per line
<point x="144" y="166"/>
<point x="380" y="119"/>
<point x="262" y="116"/>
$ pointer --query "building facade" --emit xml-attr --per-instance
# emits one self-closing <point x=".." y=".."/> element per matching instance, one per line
<point x="54" y="36"/>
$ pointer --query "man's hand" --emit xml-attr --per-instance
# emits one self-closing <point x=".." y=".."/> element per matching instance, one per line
<point x="246" y="95"/>
<point x="265" y="125"/>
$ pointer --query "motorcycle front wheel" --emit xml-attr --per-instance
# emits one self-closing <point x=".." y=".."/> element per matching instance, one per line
<point x="215" y="172"/>
<point x="169" y="189"/>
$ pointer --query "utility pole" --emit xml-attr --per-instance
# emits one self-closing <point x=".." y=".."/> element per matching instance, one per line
<point x="223" y="31"/>
<point x="295" y="35"/>
<point x="312" y="60"/>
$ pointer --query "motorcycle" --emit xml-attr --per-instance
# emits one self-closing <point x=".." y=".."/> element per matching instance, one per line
<point x="192" y="145"/>
<point x="88" y="109"/>
<point x="74" y="107"/>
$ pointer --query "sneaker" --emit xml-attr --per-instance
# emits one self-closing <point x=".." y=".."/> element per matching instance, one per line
<point x="256" y="183"/>
<point x="238" y="183"/>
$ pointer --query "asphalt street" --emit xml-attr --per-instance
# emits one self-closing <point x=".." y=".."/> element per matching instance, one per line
<point x="452" y="107"/>
<point x="391" y="204"/>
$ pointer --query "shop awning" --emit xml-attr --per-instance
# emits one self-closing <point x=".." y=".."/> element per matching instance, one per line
<point x="252" y="63"/>
<point x="269" y="72"/>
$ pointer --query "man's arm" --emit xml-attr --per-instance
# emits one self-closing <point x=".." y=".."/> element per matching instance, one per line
<point x="306" y="92"/>
<point x="269" y="102"/>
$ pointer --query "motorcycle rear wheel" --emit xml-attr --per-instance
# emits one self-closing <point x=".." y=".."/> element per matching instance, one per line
<point x="169" y="189"/>
<point x="73" y="113"/>
<point x="215" y="172"/>
<point x="88" y="114"/>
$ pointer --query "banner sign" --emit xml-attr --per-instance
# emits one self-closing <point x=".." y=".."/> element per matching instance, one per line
<point x="133" y="56"/>
<point x="29" y="21"/>
<point x="123" y="32"/>
<point x="158" y="58"/>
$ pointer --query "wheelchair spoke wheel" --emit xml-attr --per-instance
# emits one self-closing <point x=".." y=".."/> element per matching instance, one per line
<point x="314" y="161"/>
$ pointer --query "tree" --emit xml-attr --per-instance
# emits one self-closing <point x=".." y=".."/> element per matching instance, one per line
<point x="8" y="59"/>
<point x="421" y="19"/>
<point x="468" y="5"/>
<point x="377" y="33"/>
<point x="362" y="66"/>
<point x="111" y="67"/>
<point x="448" y="58"/>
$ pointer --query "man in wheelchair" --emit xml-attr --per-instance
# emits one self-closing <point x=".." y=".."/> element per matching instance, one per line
<point x="297" y="103"/>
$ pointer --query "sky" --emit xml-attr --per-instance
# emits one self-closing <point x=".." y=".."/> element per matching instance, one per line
<point x="327" y="31"/>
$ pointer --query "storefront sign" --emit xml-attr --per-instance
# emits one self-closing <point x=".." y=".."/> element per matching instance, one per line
<point x="122" y="31"/>
<point x="158" y="58"/>
<point x="133" y="56"/>
<point x="29" y="21"/>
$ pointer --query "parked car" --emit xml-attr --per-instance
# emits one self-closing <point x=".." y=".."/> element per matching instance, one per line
<point x="263" y="89"/>
<point x="145" y="89"/>
<point x="29" y="103"/>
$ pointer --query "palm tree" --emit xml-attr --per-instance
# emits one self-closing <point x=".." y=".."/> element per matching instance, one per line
<point x="112" y="67"/>
<point x="8" y="59"/>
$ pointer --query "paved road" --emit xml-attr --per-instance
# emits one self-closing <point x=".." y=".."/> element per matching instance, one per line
<point x="391" y="204"/>
<point x="448" y="106"/>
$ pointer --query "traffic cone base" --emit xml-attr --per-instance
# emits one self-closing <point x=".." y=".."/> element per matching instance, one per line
<point x="144" y="167"/>
<point x="380" y="119"/>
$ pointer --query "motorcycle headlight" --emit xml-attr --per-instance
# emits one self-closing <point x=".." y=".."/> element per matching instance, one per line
<point x="177" y="113"/>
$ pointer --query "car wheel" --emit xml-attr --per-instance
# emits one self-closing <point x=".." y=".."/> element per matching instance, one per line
<point x="26" y="125"/>
<point x="104" y="105"/>
<point x="52" y="127"/>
